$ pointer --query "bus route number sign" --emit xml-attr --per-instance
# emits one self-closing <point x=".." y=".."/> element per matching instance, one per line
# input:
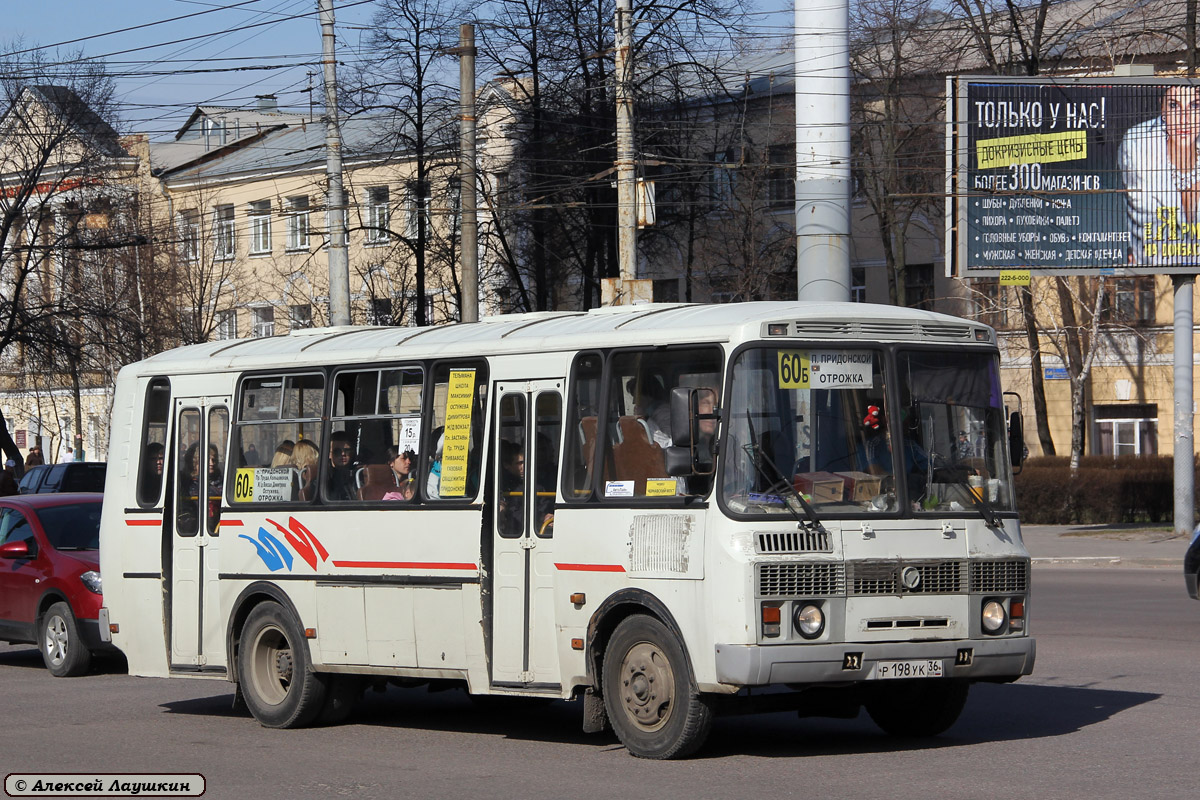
<point x="794" y="369"/>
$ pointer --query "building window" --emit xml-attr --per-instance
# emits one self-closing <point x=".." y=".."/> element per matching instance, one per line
<point x="378" y="215"/>
<point x="300" y="316"/>
<point x="417" y="202"/>
<point x="1126" y="430"/>
<point x="264" y="321"/>
<point x="994" y="302"/>
<point x="224" y="241"/>
<point x="781" y="179"/>
<point x="381" y="312"/>
<point x="918" y="286"/>
<point x="226" y="325"/>
<point x="297" y="222"/>
<point x="260" y="227"/>
<point x="721" y="181"/>
<point x="1129" y="301"/>
<point x="189" y="235"/>
<point x="858" y="284"/>
<point x="666" y="290"/>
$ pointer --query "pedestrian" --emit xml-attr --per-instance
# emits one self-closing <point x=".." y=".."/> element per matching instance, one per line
<point x="34" y="458"/>
<point x="8" y="479"/>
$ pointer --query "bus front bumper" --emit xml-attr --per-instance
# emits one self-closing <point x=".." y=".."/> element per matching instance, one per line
<point x="975" y="659"/>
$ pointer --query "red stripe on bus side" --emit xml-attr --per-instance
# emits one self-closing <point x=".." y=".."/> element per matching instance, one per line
<point x="135" y="523"/>
<point x="231" y="523"/>
<point x="404" y="565"/>
<point x="591" y="567"/>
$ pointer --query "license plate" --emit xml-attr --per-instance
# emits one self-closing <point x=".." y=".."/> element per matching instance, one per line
<point x="914" y="668"/>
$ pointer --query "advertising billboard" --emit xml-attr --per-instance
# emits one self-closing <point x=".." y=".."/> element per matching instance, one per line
<point x="1074" y="176"/>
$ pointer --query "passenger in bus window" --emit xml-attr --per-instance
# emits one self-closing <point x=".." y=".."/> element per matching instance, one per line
<point x="305" y="458"/>
<point x="512" y="487"/>
<point x="283" y="454"/>
<point x="341" y="459"/>
<point x="251" y="455"/>
<point x="152" y="470"/>
<point x="401" y="464"/>
<point x="654" y="405"/>
<point x="434" y="481"/>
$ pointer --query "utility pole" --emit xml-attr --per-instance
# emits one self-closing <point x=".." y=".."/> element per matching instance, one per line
<point x="335" y="196"/>
<point x="469" y="238"/>
<point x="823" y="151"/>
<point x="626" y="157"/>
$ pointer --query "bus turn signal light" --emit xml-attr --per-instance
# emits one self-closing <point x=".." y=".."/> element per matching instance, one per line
<point x="578" y="598"/>
<point x="770" y="620"/>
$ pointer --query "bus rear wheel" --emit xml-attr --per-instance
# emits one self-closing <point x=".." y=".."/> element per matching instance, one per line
<point x="652" y="704"/>
<point x="918" y="709"/>
<point x="278" y="685"/>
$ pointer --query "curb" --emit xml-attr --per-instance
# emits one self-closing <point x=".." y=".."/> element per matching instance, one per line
<point x="1108" y="561"/>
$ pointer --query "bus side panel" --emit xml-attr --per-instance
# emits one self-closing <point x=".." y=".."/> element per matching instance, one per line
<point x="131" y="544"/>
<point x="600" y="551"/>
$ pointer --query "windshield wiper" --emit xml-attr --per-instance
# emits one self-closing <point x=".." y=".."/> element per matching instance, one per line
<point x="780" y="485"/>
<point x="955" y="474"/>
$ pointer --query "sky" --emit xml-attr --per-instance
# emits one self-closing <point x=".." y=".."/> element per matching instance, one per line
<point x="224" y="53"/>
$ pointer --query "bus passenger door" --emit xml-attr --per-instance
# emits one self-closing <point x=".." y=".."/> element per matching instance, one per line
<point x="198" y="466"/>
<point x="524" y="487"/>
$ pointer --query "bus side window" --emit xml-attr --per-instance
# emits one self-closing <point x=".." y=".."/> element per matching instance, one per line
<point x="279" y="422"/>
<point x="154" y="442"/>
<point x="582" y="427"/>
<point x="454" y="445"/>
<point x="638" y="412"/>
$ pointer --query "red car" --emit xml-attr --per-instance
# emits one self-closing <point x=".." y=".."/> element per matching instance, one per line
<point x="50" y="577"/>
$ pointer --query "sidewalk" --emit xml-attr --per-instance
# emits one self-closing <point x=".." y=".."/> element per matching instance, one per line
<point x="1105" y="546"/>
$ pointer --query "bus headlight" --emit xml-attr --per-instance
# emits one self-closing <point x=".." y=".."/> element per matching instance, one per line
<point x="994" y="616"/>
<point x="809" y="620"/>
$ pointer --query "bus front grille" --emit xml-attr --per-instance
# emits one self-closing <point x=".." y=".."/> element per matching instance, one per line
<point x="1007" y="575"/>
<point x="867" y="578"/>
<point x="801" y="580"/>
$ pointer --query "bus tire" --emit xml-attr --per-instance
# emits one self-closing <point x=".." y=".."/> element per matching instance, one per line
<point x="341" y="697"/>
<point x="277" y="681"/>
<point x="919" y="709"/>
<point x="63" y="650"/>
<point x="652" y="703"/>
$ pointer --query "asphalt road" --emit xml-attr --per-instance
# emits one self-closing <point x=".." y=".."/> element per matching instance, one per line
<point x="1110" y="712"/>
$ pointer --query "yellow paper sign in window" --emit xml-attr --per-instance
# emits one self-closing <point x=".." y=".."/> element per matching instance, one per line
<point x="794" y="370"/>
<point x="459" y="403"/>
<point x="661" y="487"/>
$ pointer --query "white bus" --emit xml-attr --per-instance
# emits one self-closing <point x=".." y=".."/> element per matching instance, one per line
<point x="659" y="510"/>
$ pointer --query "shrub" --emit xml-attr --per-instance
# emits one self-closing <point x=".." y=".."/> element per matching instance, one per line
<point x="1104" y="490"/>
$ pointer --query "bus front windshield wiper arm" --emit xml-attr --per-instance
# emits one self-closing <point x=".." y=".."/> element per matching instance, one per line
<point x="981" y="504"/>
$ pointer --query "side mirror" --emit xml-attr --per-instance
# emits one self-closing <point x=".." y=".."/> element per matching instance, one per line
<point x="15" y="550"/>
<point x="683" y="409"/>
<point x="1016" y="439"/>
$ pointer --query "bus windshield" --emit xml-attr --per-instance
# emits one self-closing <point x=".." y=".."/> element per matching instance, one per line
<point x="953" y="431"/>
<point x="814" y="419"/>
<point x="820" y="420"/>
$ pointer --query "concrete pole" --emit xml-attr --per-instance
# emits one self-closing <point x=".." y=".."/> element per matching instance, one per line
<point x="626" y="157"/>
<point x="823" y="151"/>
<point x="335" y="196"/>
<point x="469" y="239"/>
<point x="1184" y="449"/>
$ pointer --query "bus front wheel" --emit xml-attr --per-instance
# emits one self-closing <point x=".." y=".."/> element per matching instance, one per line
<point x="918" y="709"/>
<point x="278" y="685"/>
<point x="652" y="704"/>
